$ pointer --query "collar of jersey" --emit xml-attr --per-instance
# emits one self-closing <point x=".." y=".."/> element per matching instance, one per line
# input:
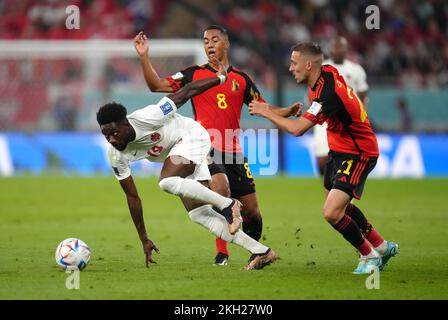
<point x="207" y="66"/>
<point x="317" y="80"/>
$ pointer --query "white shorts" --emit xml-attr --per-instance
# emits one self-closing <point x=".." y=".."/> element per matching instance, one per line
<point x="194" y="146"/>
<point x="320" y="142"/>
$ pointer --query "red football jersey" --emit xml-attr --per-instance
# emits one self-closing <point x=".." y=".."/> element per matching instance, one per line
<point x="349" y="129"/>
<point x="219" y="108"/>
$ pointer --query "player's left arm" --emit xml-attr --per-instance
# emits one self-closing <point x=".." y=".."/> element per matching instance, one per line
<point x="296" y="127"/>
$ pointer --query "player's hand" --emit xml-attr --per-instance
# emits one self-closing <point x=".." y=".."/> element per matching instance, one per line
<point x="295" y="109"/>
<point x="148" y="246"/>
<point x="257" y="108"/>
<point x="221" y="68"/>
<point x="141" y="44"/>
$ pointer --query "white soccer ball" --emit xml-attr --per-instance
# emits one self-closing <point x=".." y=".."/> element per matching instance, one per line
<point x="72" y="254"/>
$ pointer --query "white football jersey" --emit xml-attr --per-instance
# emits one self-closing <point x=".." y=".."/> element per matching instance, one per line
<point x="353" y="73"/>
<point x="157" y="129"/>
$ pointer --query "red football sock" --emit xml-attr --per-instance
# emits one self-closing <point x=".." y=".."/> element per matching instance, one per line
<point x="221" y="246"/>
<point x="365" y="248"/>
<point x="374" y="238"/>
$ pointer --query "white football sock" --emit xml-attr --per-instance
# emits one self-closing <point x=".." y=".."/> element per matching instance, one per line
<point x="194" y="190"/>
<point x="382" y="248"/>
<point x="218" y="225"/>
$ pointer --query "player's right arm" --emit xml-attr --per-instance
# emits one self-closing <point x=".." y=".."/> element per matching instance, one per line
<point x="198" y="86"/>
<point x="293" y="110"/>
<point x="154" y="82"/>
<point x="122" y="172"/>
<point x="136" y="210"/>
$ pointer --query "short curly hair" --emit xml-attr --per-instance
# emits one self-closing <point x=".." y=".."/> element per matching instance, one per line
<point x="111" y="112"/>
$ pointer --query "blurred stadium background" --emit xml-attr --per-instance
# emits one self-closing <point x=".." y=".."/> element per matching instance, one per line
<point x="52" y="79"/>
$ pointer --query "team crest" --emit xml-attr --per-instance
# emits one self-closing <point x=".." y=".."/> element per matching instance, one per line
<point x="235" y="85"/>
<point x="155" y="137"/>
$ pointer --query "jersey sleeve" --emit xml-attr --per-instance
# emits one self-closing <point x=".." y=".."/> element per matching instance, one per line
<point x="181" y="78"/>
<point x="325" y="105"/>
<point x="119" y="164"/>
<point x="251" y="92"/>
<point x="155" y="114"/>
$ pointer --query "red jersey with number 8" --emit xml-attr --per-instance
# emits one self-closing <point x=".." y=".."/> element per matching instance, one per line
<point x="219" y="108"/>
<point x="349" y="129"/>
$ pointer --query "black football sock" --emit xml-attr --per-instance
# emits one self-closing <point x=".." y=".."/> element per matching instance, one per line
<point x="356" y="214"/>
<point x="226" y="212"/>
<point x="350" y="231"/>
<point x="253" y="228"/>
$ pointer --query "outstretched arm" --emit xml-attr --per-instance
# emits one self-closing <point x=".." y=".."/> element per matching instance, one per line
<point x="197" y="87"/>
<point x="293" y="110"/>
<point x="136" y="210"/>
<point x="296" y="127"/>
<point x="154" y="82"/>
<point x="192" y="89"/>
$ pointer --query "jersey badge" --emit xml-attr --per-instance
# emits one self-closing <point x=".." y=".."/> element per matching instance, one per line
<point x="166" y="108"/>
<point x="235" y="85"/>
<point x="155" y="137"/>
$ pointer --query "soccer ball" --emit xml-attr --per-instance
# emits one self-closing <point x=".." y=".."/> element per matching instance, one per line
<point x="72" y="254"/>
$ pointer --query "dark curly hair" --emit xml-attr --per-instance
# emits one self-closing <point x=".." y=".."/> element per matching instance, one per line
<point x="111" y="112"/>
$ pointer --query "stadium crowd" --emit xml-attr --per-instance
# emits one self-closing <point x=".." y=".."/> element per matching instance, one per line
<point x="410" y="49"/>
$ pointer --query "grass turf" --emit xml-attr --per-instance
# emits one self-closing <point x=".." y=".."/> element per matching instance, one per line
<point x="315" y="261"/>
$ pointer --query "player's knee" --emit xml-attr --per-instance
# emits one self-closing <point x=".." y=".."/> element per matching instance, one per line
<point x="222" y="190"/>
<point x="331" y="215"/>
<point x="171" y="185"/>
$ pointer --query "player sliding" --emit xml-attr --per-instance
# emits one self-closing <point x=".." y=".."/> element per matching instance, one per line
<point x="353" y="150"/>
<point x="158" y="133"/>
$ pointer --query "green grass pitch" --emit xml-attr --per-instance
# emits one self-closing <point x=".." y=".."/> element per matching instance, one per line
<point x="315" y="261"/>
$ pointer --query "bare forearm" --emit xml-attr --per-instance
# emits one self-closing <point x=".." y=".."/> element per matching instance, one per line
<point x="151" y="77"/>
<point x="288" y="125"/>
<point x="136" y="210"/>
<point x="192" y="89"/>
<point x="282" y="112"/>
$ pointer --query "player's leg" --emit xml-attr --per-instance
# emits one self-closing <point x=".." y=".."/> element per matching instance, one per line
<point x="386" y="249"/>
<point x="242" y="187"/>
<point x="252" y="220"/>
<point x="173" y="180"/>
<point x="220" y="184"/>
<point x="340" y="175"/>
<point x="334" y="213"/>
<point x="206" y="216"/>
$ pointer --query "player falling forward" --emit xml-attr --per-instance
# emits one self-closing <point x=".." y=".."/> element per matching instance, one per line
<point x="218" y="110"/>
<point x="353" y="150"/>
<point x="157" y="133"/>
